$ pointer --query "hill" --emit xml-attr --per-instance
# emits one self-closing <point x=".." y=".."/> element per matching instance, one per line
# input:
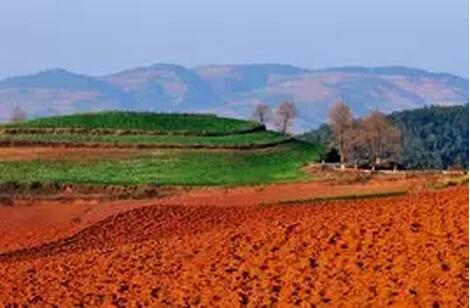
<point x="232" y="90"/>
<point x="56" y="92"/>
<point x="433" y="137"/>
<point x="164" y="87"/>
<point x="150" y="123"/>
<point x="232" y="79"/>
<point x="150" y="148"/>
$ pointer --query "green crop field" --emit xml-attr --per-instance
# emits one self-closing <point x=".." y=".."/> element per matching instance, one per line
<point x="280" y="164"/>
<point x="246" y="139"/>
<point x="195" y="124"/>
<point x="242" y="165"/>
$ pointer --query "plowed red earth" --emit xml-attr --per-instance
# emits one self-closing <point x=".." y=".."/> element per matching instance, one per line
<point x="34" y="222"/>
<point x="405" y="251"/>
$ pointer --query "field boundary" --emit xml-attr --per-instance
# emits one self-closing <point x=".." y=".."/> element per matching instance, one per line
<point x="11" y="191"/>
<point x="113" y="145"/>
<point x="122" y="132"/>
<point x="338" y="197"/>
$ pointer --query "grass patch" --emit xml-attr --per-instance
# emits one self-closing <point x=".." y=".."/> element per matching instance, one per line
<point x="195" y="124"/>
<point x="280" y="164"/>
<point x="254" y="138"/>
<point x="449" y="182"/>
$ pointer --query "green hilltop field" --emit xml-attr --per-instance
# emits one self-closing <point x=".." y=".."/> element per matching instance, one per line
<point x="229" y="151"/>
<point x="154" y="123"/>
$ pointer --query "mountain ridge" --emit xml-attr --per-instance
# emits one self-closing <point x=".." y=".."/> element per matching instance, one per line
<point x="232" y="90"/>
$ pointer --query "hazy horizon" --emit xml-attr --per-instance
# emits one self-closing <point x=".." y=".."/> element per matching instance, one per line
<point x="123" y="69"/>
<point x="96" y="38"/>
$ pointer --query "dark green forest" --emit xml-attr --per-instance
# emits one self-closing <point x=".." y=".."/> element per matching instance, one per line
<point x="434" y="137"/>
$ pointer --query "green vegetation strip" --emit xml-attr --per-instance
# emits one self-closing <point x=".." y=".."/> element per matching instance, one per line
<point x="449" y="182"/>
<point x="280" y="164"/>
<point x="169" y="141"/>
<point x="340" y="197"/>
<point x="119" y="132"/>
<point x="131" y="123"/>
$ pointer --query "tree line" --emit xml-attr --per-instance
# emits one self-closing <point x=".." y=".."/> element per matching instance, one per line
<point x="371" y="140"/>
<point x="367" y="141"/>
<point x="433" y="137"/>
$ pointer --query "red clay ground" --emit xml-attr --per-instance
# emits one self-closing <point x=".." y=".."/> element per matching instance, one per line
<point x="34" y="222"/>
<point x="405" y="251"/>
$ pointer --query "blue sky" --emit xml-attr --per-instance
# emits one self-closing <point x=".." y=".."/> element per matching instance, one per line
<point x="103" y="36"/>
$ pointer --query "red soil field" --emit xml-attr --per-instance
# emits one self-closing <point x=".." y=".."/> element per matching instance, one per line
<point x="32" y="222"/>
<point x="409" y="250"/>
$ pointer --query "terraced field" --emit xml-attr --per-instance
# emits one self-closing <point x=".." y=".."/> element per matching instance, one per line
<point x="247" y="153"/>
<point x="181" y="167"/>
<point x="236" y="141"/>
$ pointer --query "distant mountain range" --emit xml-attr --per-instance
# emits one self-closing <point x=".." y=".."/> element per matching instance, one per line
<point x="231" y="90"/>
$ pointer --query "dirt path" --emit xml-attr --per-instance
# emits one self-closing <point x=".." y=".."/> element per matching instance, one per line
<point x="62" y="153"/>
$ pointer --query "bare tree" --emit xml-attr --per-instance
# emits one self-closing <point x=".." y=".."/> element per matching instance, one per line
<point x="380" y="137"/>
<point x="341" y="121"/>
<point x="354" y="145"/>
<point x="18" y="114"/>
<point x="285" y="115"/>
<point x="262" y="113"/>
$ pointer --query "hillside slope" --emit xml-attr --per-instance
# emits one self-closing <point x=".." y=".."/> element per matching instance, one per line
<point x="58" y="92"/>
<point x="387" y="89"/>
<point x="232" y="90"/>
<point x="164" y="149"/>
<point x="164" y="87"/>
